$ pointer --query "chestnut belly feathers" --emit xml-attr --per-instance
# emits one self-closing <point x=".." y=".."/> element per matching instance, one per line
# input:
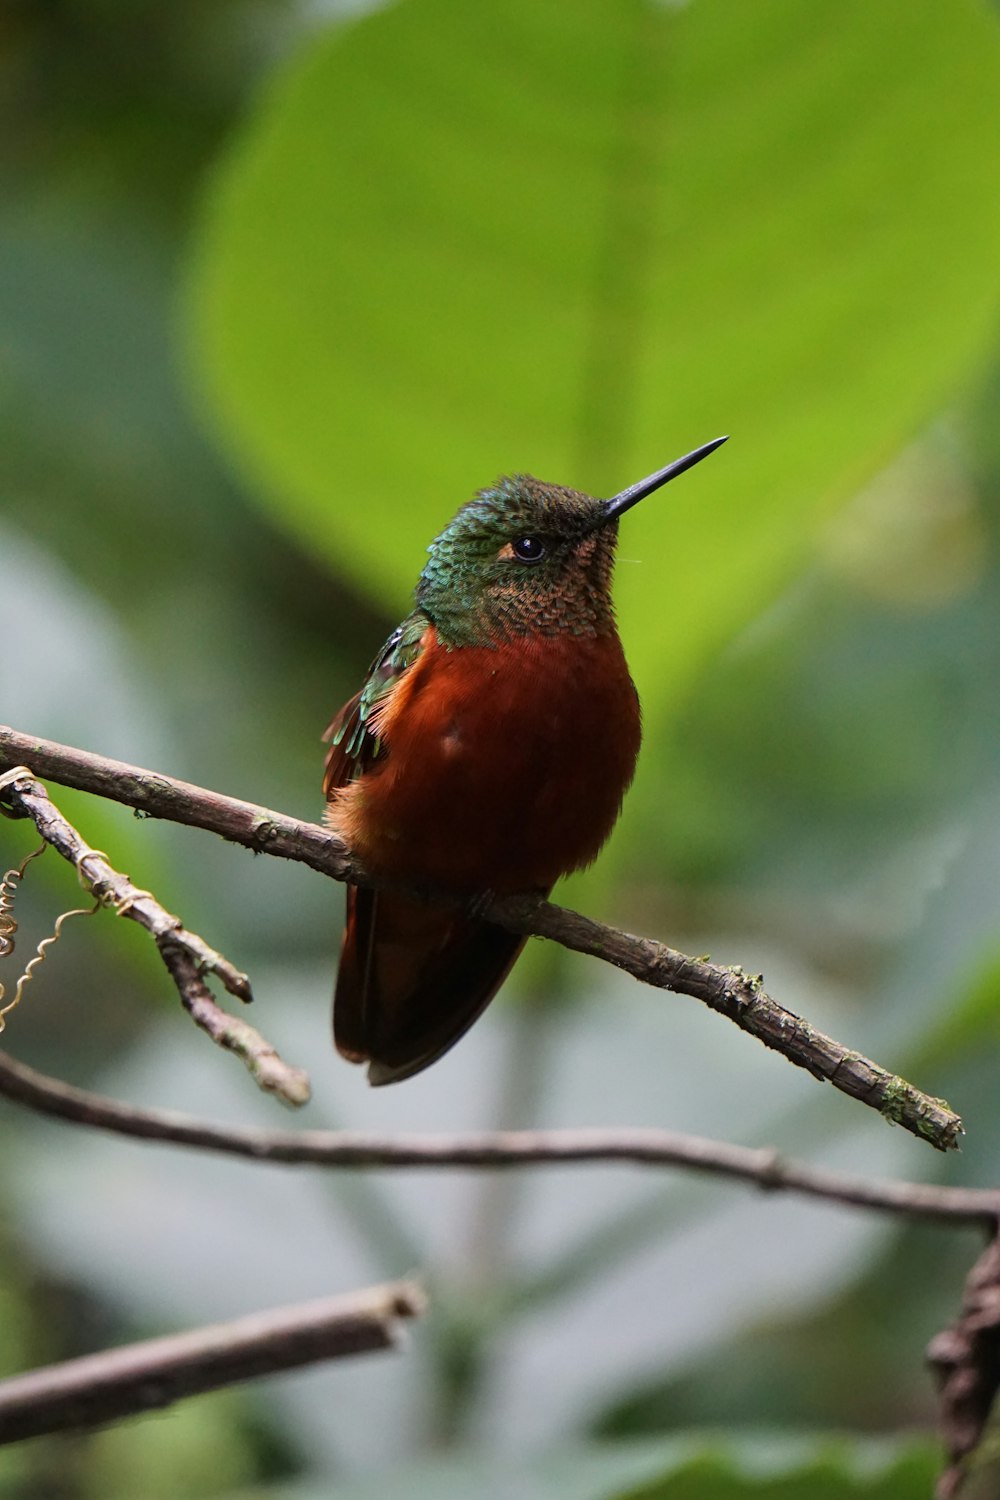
<point x="503" y="767"/>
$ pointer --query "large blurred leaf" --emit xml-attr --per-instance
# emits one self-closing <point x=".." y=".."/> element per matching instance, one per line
<point x="460" y="239"/>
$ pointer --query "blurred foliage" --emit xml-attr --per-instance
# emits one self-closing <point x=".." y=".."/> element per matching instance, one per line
<point x="568" y="233"/>
<point x="714" y="1478"/>
<point x="718" y="1468"/>
<point x="804" y="1365"/>
<point x="399" y="254"/>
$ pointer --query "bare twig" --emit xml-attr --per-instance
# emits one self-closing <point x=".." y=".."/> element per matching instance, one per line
<point x="157" y="1372"/>
<point x="185" y="954"/>
<point x="268" y="1070"/>
<point x="730" y="991"/>
<point x="763" y="1168"/>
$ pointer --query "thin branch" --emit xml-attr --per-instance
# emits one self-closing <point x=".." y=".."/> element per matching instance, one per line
<point x="185" y="955"/>
<point x="737" y="995"/>
<point x="764" y="1168"/>
<point x="157" y="1372"/>
<point x="267" y="1068"/>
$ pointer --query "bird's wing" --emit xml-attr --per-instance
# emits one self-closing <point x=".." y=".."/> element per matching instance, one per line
<point x="412" y="977"/>
<point x="354" y="747"/>
<point x="354" y="740"/>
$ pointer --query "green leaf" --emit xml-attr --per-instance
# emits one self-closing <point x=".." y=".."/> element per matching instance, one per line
<point x="678" y="1468"/>
<point x="839" y="1475"/>
<point x="196" y="1449"/>
<point x="458" y="240"/>
<point x="970" y="1024"/>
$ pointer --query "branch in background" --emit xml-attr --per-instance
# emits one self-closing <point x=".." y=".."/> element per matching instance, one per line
<point x="965" y="1359"/>
<point x="763" y="1168"/>
<point x="185" y="954"/>
<point x="731" y="992"/>
<point x="157" y="1372"/>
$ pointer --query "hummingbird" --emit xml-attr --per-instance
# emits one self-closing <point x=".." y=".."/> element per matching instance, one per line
<point x="487" y="753"/>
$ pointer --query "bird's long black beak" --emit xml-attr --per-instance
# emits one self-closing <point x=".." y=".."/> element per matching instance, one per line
<point x="619" y="504"/>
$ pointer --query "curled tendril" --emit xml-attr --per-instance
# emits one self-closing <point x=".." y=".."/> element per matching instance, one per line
<point x="120" y="905"/>
<point x="8" y="929"/>
<point x="8" y="889"/>
<point x="39" y="958"/>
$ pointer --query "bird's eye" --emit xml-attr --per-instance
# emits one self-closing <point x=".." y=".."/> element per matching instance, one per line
<point x="528" y="549"/>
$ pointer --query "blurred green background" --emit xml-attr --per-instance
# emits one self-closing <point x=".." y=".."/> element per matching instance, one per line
<point x="282" y="284"/>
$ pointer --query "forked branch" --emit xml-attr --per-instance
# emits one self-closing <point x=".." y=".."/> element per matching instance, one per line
<point x="185" y="955"/>
<point x="738" y="996"/>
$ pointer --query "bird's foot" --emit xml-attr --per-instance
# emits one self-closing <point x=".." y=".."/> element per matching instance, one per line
<point x="478" y="905"/>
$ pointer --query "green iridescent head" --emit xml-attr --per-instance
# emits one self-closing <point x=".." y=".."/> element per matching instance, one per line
<point x="528" y="558"/>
